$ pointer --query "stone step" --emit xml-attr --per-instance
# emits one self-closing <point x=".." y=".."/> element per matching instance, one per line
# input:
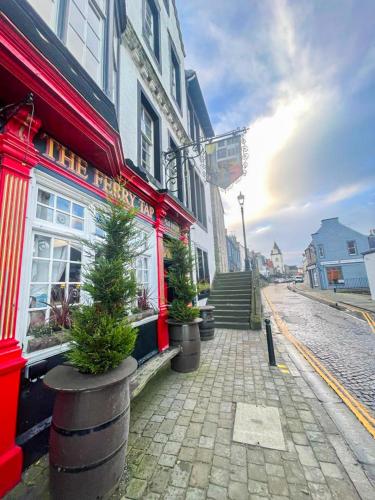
<point x="233" y="326"/>
<point x="229" y="318"/>
<point x="228" y="293"/>
<point x="237" y="274"/>
<point x="232" y="307"/>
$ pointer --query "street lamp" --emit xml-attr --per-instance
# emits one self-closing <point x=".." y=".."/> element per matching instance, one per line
<point x="241" y="201"/>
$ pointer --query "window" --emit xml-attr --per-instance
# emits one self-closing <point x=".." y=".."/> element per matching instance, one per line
<point x="143" y="272"/>
<point x="59" y="210"/>
<point x="202" y="270"/>
<point x="151" y="27"/>
<point x="198" y="197"/>
<point x="85" y="35"/>
<point x="116" y="61"/>
<point x="55" y="273"/>
<point x="147" y="141"/>
<point x="334" y="275"/>
<point x="321" y="250"/>
<point x="149" y="138"/>
<point x="48" y="11"/>
<point x="175" y="77"/>
<point x="352" y="247"/>
<point x="176" y="182"/>
<point x="166" y="4"/>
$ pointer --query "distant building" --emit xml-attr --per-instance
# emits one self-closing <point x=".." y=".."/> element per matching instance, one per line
<point x="277" y="259"/>
<point x="234" y="254"/>
<point x="334" y="257"/>
<point x="290" y="270"/>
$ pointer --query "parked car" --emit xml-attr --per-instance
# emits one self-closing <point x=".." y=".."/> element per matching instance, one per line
<point x="298" y="279"/>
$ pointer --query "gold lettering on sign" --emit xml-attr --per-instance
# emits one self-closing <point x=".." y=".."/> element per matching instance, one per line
<point x="81" y="169"/>
<point x="113" y="188"/>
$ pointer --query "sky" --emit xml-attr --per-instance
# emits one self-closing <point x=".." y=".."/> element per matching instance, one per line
<point x="301" y="75"/>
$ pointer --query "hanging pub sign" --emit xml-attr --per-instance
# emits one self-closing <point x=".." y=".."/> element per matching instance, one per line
<point x="66" y="159"/>
<point x="224" y="161"/>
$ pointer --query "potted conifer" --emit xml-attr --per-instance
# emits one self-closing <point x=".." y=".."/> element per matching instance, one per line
<point x="90" y="422"/>
<point x="183" y="319"/>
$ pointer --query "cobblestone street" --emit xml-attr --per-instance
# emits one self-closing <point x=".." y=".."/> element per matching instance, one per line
<point x="181" y="434"/>
<point x="345" y="344"/>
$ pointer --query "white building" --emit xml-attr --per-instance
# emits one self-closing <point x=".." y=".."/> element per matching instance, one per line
<point x="161" y="108"/>
<point x="277" y="259"/>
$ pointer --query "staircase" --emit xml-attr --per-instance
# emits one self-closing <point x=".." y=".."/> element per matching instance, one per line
<point x="231" y="296"/>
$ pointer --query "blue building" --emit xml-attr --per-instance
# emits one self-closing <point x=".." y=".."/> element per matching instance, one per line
<point x="234" y="254"/>
<point x="334" y="257"/>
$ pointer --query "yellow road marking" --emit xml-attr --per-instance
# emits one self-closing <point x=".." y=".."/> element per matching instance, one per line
<point x="283" y="370"/>
<point x="352" y="403"/>
<point x="282" y="366"/>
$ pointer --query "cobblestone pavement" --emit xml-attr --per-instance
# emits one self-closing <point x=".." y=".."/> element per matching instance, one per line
<point x="345" y="344"/>
<point x="181" y="446"/>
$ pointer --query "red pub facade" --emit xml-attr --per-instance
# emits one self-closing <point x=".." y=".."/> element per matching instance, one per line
<point x="59" y="154"/>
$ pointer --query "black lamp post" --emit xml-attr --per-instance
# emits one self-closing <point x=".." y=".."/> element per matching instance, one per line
<point x="241" y="201"/>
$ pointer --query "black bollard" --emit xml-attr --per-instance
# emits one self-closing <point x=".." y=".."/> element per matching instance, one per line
<point x="271" y="352"/>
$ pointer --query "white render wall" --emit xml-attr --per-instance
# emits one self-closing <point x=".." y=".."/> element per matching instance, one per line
<point x="133" y="74"/>
<point x="369" y="259"/>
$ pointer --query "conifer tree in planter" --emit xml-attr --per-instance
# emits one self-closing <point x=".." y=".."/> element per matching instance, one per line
<point x="184" y="321"/>
<point x="90" y="422"/>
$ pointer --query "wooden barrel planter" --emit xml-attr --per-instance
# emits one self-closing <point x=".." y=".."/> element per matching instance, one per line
<point x="188" y="337"/>
<point x="207" y="326"/>
<point x="89" y="431"/>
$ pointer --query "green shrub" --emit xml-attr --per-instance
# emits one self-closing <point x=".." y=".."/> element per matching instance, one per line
<point x="179" y="276"/>
<point x="101" y="335"/>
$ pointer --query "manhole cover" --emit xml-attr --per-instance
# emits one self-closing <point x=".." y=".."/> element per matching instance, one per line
<point x="258" y="425"/>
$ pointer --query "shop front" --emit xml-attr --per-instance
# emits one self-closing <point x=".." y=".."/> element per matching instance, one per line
<point x="60" y="158"/>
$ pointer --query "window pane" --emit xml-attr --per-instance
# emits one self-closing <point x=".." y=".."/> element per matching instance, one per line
<point x="46" y="198"/>
<point x="57" y="293"/>
<point x="78" y="211"/>
<point x="75" y="273"/>
<point x="44" y="213"/>
<point x="62" y="219"/>
<point x="77" y="224"/>
<point x="42" y="246"/>
<point x="59" y="271"/>
<point x="40" y="271"/>
<point x="74" y="293"/>
<point x="60" y="249"/>
<point x="63" y="204"/>
<point x="38" y="296"/>
<point x="36" y="318"/>
<point x="75" y="253"/>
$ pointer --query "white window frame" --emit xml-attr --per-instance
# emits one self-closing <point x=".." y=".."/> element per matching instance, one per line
<point x="147" y="141"/>
<point x="149" y="25"/>
<point x="101" y="11"/>
<point x="55" y="4"/>
<point x="37" y="226"/>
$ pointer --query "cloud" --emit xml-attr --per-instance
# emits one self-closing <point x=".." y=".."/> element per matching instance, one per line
<point x="295" y="72"/>
<point x="346" y="192"/>
<point x="262" y="229"/>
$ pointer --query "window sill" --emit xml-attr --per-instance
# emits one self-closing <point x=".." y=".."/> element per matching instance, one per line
<point x="35" y="356"/>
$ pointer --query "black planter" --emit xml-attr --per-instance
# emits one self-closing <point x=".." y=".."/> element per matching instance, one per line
<point x="207" y="326"/>
<point x="187" y="336"/>
<point x="89" y="431"/>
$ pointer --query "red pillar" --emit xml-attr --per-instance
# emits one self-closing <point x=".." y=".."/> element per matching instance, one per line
<point x="17" y="157"/>
<point x="163" y="336"/>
